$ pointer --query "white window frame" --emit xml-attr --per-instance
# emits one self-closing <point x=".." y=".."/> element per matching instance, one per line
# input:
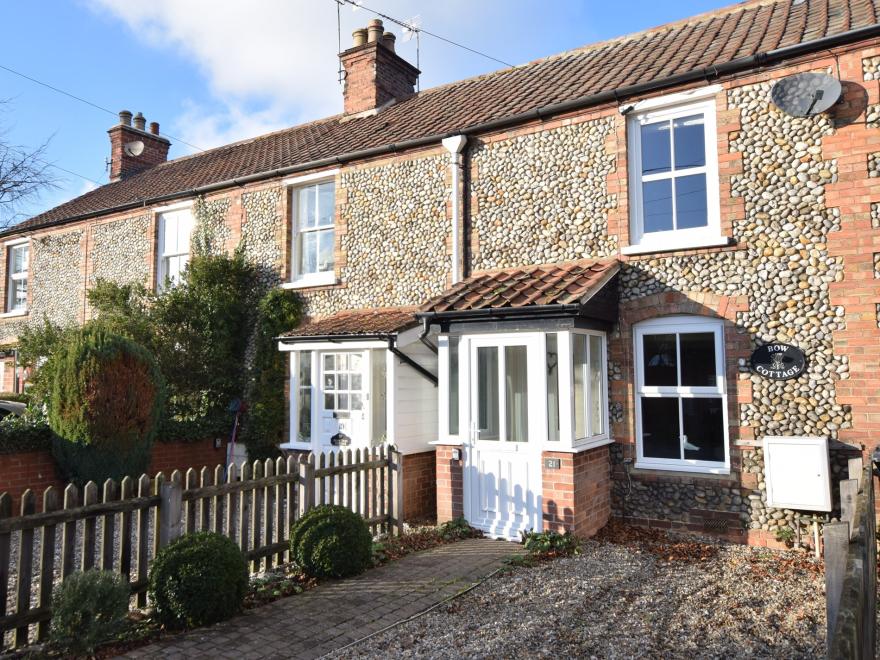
<point x="316" y="351"/>
<point x="668" y="108"/>
<point x="565" y="372"/>
<point x="591" y="439"/>
<point x="11" y="246"/>
<point x="670" y="325"/>
<point x="297" y="184"/>
<point x="163" y="214"/>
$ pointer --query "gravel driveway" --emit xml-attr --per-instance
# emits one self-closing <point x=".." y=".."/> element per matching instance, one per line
<point x="626" y="601"/>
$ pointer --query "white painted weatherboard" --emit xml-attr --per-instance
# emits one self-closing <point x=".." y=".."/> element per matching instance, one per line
<point x="414" y="409"/>
<point x="797" y="472"/>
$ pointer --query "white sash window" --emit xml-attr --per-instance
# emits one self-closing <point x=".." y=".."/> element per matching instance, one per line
<point x="681" y="395"/>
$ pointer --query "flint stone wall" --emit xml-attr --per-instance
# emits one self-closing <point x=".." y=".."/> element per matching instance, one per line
<point x="392" y="237"/>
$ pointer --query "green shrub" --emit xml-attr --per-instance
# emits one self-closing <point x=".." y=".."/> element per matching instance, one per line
<point x="279" y="311"/>
<point x="197" y="580"/>
<point x="458" y="528"/>
<point x="331" y="541"/>
<point x="18" y="397"/>
<point x="26" y="432"/>
<point x="550" y="544"/>
<point x="105" y="405"/>
<point x="87" y="609"/>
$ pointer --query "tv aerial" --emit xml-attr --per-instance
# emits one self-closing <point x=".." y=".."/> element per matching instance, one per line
<point x="805" y="94"/>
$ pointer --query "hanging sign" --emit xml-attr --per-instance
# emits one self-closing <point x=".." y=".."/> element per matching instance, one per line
<point x="778" y="361"/>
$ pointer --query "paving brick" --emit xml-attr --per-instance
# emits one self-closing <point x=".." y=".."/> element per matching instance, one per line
<point x="336" y="614"/>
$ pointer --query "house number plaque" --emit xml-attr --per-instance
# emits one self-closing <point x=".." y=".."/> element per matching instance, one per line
<point x="778" y="361"/>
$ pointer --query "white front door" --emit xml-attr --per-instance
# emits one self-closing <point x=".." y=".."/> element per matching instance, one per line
<point x="343" y="412"/>
<point x="502" y="480"/>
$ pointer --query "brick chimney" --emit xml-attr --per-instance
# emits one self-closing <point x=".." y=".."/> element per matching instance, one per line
<point x="374" y="73"/>
<point x="132" y="148"/>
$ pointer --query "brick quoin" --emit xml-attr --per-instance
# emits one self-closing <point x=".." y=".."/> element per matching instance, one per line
<point x="419" y="486"/>
<point x="450" y="492"/>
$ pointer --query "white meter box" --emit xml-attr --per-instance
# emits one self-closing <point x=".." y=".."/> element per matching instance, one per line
<point x="797" y="472"/>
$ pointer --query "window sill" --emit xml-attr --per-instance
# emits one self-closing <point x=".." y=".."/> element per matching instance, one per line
<point x="578" y="448"/>
<point x="312" y="283"/>
<point x="723" y="470"/>
<point x="18" y="312"/>
<point x="298" y="446"/>
<point x="451" y="442"/>
<point x="648" y="248"/>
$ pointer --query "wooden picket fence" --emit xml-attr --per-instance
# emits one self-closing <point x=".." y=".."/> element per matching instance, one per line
<point x="120" y="527"/>
<point x="851" y="568"/>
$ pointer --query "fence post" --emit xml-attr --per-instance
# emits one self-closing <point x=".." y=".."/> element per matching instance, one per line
<point x="170" y="511"/>
<point x="396" y="485"/>
<point x="306" y="483"/>
<point x="836" y="539"/>
<point x="849" y="491"/>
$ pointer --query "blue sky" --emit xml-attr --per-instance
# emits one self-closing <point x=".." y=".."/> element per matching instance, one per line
<point x="213" y="71"/>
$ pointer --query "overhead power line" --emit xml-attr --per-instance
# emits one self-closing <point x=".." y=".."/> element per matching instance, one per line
<point x="82" y="100"/>
<point x="414" y="28"/>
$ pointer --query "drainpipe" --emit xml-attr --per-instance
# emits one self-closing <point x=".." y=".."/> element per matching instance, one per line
<point x="455" y="145"/>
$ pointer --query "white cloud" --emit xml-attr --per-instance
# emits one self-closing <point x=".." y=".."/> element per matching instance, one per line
<point x="273" y="63"/>
<point x="87" y="186"/>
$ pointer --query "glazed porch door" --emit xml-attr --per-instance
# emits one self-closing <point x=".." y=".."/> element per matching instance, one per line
<point x="502" y="481"/>
<point x="343" y="404"/>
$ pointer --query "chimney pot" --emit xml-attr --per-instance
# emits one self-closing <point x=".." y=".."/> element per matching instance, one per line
<point x="359" y="37"/>
<point x="388" y="41"/>
<point x="374" y="30"/>
<point x="123" y="161"/>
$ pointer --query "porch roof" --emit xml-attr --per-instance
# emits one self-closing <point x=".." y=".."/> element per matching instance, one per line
<point x="551" y="288"/>
<point x="355" y="323"/>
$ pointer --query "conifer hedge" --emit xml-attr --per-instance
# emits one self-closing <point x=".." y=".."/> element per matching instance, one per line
<point x="105" y="405"/>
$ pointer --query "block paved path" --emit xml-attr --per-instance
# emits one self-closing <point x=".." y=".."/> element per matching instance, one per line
<point x="337" y="613"/>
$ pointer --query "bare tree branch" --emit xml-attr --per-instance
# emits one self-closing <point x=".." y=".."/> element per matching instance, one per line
<point x="24" y="174"/>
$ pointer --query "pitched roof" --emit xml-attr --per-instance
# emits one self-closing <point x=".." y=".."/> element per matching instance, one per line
<point x="357" y="323"/>
<point x="568" y="283"/>
<point x="711" y="39"/>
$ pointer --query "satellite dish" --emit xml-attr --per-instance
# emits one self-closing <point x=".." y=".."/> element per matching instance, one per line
<point x="805" y="94"/>
<point x="135" y="148"/>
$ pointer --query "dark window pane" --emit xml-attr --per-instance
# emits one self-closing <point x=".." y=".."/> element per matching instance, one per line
<point x="660" y="434"/>
<point x="657" y="205"/>
<point x="487" y="392"/>
<point x="690" y="142"/>
<point x="552" y="388"/>
<point x="660" y="357"/>
<point x="453" y="386"/>
<point x="698" y="359"/>
<point x="690" y="202"/>
<point x="703" y="429"/>
<point x="656" y="148"/>
<point x="516" y="393"/>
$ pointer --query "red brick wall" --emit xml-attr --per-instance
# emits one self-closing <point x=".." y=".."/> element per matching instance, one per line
<point x="450" y="491"/>
<point x="170" y="456"/>
<point x="577" y="495"/>
<point x="36" y="469"/>
<point x="33" y="469"/>
<point x="419" y="486"/>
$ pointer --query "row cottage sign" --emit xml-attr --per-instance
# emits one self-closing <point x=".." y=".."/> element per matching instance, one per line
<point x="778" y="361"/>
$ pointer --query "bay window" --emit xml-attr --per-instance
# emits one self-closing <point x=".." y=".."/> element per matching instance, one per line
<point x="681" y="395"/>
<point x="573" y="403"/>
